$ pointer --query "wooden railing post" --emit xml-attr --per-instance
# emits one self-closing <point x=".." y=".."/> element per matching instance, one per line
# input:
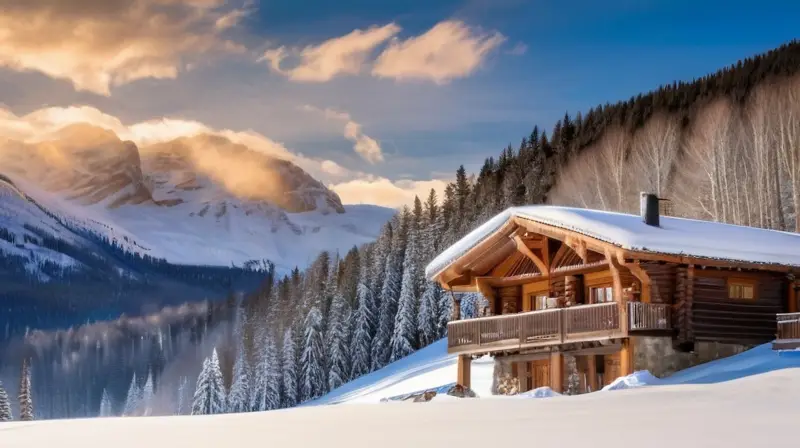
<point x="464" y="370"/>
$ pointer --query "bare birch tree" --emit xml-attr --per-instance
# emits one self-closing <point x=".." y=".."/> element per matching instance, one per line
<point x="653" y="153"/>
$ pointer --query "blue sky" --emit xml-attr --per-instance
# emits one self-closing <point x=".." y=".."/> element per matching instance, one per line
<point x="405" y="135"/>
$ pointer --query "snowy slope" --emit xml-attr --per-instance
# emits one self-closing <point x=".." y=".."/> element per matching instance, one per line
<point x="753" y="411"/>
<point x="676" y="236"/>
<point x="432" y="367"/>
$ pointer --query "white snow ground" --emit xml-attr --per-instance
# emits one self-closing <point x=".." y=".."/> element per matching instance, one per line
<point x="749" y="400"/>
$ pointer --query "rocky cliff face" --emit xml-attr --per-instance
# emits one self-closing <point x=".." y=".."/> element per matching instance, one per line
<point x="91" y="166"/>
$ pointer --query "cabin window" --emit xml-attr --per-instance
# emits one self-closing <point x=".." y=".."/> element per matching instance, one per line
<point x="602" y="294"/>
<point x="741" y="289"/>
<point x="540" y="302"/>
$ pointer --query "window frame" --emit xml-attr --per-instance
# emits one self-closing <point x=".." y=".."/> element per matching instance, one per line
<point x="741" y="282"/>
<point x="609" y="287"/>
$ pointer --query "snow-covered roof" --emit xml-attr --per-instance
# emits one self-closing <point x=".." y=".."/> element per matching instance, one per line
<point x="675" y="236"/>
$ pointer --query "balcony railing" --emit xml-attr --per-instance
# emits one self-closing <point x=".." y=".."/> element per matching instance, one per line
<point x="554" y="326"/>
<point x="788" y="331"/>
<point x="649" y="316"/>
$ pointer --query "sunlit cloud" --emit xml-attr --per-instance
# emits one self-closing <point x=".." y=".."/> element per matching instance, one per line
<point x="447" y="51"/>
<point x="346" y="54"/>
<point x="385" y="192"/>
<point x="364" y="145"/>
<point x="99" y="44"/>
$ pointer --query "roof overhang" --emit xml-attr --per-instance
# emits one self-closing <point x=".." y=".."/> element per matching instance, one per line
<point x="495" y="244"/>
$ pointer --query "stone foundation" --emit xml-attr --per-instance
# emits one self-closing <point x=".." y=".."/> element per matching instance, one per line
<point x="657" y="354"/>
<point x="503" y="380"/>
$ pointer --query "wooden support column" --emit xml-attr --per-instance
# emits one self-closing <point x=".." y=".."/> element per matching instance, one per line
<point x="591" y="372"/>
<point x="464" y="367"/>
<point x="456" y="307"/>
<point x="792" y="305"/>
<point x="557" y="371"/>
<point x="626" y="357"/>
<point x="523" y="372"/>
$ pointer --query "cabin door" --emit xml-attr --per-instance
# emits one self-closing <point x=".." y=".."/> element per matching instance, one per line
<point x="541" y="373"/>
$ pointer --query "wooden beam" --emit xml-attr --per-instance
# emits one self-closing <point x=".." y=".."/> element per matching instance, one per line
<point x="502" y="269"/>
<point x="792" y="305"/>
<point x="626" y="357"/>
<point x="591" y="373"/>
<point x="641" y="275"/>
<point x="527" y="252"/>
<point x="546" y="254"/>
<point x="487" y="291"/>
<point x="560" y="254"/>
<point x="557" y="372"/>
<point x="614" y="267"/>
<point x="464" y="370"/>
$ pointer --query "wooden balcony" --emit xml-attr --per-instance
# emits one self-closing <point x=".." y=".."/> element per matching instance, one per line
<point x="552" y="327"/>
<point x="788" y="336"/>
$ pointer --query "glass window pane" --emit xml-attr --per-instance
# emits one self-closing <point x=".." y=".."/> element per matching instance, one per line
<point x="747" y="292"/>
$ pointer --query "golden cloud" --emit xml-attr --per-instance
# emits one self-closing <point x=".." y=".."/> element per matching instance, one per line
<point x="364" y="145"/>
<point x="97" y="44"/>
<point x="341" y="55"/>
<point x="382" y="191"/>
<point x="449" y="50"/>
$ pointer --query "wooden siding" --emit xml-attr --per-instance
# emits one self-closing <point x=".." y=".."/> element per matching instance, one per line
<point x="663" y="278"/>
<point x="715" y="317"/>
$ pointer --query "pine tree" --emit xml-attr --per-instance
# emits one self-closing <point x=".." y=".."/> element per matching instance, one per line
<point x="133" y="398"/>
<point x="390" y="293"/>
<point x="25" y="399"/>
<point x="183" y="385"/>
<point x="209" y="396"/>
<point x="5" y="405"/>
<point x="312" y="360"/>
<point x="289" y="370"/>
<point x="238" y="398"/>
<point x="429" y="313"/>
<point x="105" y="404"/>
<point x="338" y="329"/>
<point x="146" y="402"/>
<point x="364" y="326"/>
<point x="404" y="338"/>
<point x="272" y="389"/>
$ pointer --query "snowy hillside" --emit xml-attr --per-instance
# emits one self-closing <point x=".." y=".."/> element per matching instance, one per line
<point x="184" y="234"/>
<point x="432" y="367"/>
<point x="742" y="412"/>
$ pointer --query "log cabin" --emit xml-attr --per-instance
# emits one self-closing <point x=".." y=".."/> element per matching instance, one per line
<point x="577" y="297"/>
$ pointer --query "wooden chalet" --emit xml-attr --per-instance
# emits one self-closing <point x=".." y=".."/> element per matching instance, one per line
<point x="615" y="293"/>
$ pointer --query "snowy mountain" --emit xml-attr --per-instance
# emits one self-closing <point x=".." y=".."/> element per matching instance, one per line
<point x="199" y="200"/>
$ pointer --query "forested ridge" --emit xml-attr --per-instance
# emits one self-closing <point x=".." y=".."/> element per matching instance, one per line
<point x="723" y="147"/>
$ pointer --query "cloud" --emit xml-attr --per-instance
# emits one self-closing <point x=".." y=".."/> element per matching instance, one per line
<point x="364" y="145"/>
<point x="43" y="124"/>
<point x="98" y="44"/>
<point x="518" y="50"/>
<point x="382" y="191"/>
<point x="340" y="55"/>
<point x="447" y="51"/>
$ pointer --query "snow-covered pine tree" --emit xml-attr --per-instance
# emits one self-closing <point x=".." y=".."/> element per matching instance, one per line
<point x="272" y="376"/>
<point x="404" y="338"/>
<point x="289" y="370"/>
<point x="312" y="360"/>
<point x="338" y="329"/>
<point x="105" y="405"/>
<point x="209" y="396"/>
<point x="364" y="320"/>
<point x="183" y="385"/>
<point x="429" y="313"/>
<point x="5" y="405"/>
<point x="146" y="402"/>
<point x="133" y="398"/>
<point x="390" y="293"/>
<point x="25" y="398"/>
<point x="239" y="397"/>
